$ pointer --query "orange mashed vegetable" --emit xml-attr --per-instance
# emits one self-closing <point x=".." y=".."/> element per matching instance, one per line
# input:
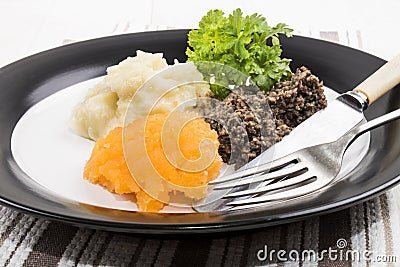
<point x="107" y="165"/>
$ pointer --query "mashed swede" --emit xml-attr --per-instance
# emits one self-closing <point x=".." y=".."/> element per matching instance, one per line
<point x="105" y="105"/>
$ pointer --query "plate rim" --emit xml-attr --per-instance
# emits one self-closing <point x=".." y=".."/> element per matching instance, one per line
<point x="209" y="227"/>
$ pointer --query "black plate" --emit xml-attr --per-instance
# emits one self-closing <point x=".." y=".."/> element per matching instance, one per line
<point x="26" y="82"/>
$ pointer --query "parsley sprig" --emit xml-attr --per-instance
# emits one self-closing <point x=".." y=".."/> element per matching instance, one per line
<point x="241" y="43"/>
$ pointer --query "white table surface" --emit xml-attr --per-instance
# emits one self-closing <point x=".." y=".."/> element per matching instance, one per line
<point x="28" y="27"/>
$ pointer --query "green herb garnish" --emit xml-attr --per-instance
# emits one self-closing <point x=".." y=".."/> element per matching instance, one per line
<point x="241" y="43"/>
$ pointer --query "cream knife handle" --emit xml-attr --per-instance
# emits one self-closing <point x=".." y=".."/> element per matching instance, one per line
<point x="381" y="81"/>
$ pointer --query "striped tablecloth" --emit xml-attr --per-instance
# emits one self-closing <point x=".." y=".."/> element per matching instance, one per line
<point x="372" y="227"/>
<point x="370" y="231"/>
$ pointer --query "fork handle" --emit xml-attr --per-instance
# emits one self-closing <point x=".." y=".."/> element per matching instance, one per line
<point x="381" y="81"/>
<point x="391" y="116"/>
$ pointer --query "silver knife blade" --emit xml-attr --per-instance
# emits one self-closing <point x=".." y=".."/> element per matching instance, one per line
<point x="342" y="114"/>
<point x="326" y="125"/>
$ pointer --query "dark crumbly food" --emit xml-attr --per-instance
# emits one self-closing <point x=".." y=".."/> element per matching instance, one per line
<point x="245" y="120"/>
<point x="295" y="100"/>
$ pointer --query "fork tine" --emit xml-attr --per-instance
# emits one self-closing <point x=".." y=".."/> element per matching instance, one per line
<point x="275" y="164"/>
<point x="265" y="177"/>
<point x="279" y="185"/>
<point x="248" y="206"/>
<point x="287" y="194"/>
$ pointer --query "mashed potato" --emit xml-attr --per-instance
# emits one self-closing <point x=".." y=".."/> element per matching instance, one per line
<point x="106" y="104"/>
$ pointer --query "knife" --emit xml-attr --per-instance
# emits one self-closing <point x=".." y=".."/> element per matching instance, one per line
<point x="343" y="113"/>
<point x="327" y="125"/>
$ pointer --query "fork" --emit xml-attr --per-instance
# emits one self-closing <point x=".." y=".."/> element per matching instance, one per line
<point x="297" y="174"/>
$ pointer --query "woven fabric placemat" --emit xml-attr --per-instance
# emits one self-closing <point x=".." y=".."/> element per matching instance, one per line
<point x="367" y="227"/>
